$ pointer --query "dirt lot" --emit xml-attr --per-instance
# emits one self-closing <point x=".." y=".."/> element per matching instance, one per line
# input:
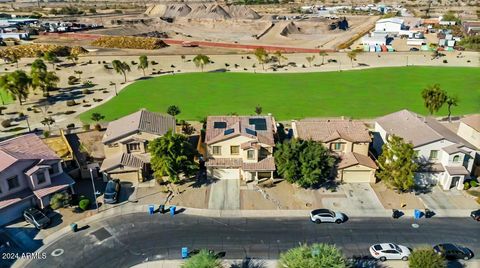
<point x="392" y="200"/>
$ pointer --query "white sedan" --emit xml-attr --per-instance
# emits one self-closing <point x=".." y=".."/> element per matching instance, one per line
<point x="390" y="251"/>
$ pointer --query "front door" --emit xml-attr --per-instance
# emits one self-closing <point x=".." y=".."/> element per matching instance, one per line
<point x="455" y="181"/>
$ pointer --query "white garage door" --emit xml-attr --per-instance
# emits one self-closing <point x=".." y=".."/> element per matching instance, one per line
<point x="14" y="211"/>
<point x="226" y="173"/>
<point x="356" y="176"/>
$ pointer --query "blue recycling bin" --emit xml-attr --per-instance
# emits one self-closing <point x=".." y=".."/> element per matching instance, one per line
<point x="184" y="252"/>
<point x="151" y="209"/>
<point x="172" y="210"/>
<point x="417" y="214"/>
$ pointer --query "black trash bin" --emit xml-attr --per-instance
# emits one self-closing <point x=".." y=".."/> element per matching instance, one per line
<point x="396" y="213"/>
<point x="429" y="213"/>
<point x="161" y="209"/>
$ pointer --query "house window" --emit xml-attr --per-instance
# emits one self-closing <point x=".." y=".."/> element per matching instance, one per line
<point x="217" y="150"/>
<point x="337" y="146"/>
<point x="53" y="169"/>
<point x="113" y="145"/>
<point x="40" y="177"/>
<point x="433" y="155"/>
<point x="234" y="150"/>
<point x="13" y="183"/>
<point x="456" y="159"/>
<point x="133" y="147"/>
<point x="250" y="154"/>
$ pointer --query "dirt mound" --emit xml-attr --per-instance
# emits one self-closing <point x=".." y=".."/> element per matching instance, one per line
<point x="291" y="28"/>
<point x="201" y="11"/>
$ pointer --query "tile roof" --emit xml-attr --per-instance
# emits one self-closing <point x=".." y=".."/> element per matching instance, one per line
<point x="15" y="198"/>
<point x="329" y="130"/>
<point x="135" y="161"/>
<point x="455" y="148"/>
<point x="418" y="130"/>
<point x="457" y="170"/>
<point x="352" y="159"/>
<point x="472" y="121"/>
<point x="241" y="127"/>
<point x="59" y="183"/>
<point x="26" y="147"/>
<point x="143" y="121"/>
<point x="267" y="164"/>
<point x="225" y="162"/>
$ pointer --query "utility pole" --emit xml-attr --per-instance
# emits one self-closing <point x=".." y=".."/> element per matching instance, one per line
<point x="93" y="186"/>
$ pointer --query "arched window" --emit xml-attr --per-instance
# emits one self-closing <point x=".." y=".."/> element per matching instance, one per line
<point x="456" y="159"/>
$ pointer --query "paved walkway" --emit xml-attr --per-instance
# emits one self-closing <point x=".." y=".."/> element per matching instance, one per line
<point x="225" y="194"/>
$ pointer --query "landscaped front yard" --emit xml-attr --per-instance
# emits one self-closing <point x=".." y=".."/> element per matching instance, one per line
<point x="359" y="94"/>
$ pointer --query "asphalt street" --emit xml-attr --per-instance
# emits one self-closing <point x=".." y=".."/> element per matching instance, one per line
<point x="127" y="240"/>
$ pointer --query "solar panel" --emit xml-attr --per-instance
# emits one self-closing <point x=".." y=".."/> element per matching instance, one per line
<point x="219" y="125"/>
<point x="259" y="123"/>
<point x="228" y="131"/>
<point x="251" y="132"/>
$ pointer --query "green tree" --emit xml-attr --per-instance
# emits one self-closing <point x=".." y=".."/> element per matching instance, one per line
<point x="397" y="164"/>
<point x="352" y="55"/>
<point x="258" y="110"/>
<point x="279" y="56"/>
<point x="261" y="55"/>
<point x="203" y="259"/>
<point x="306" y="163"/>
<point x="426" y="258"/>
<point x="51" y="58"/>
<point x="73" y="57"/>
<point x="434" y="98"/>
<point x="310" y="59"/>
<point x="323" y="54"/>
<point x="41" y="78"/>
<point x="314" y="256"/>
<point x="143" y="63"/>
<point x="17" y="84"/>
<point x="97" y="117"/>
<point x="201" y="60"/>
<point x="173" y="155"/>
<point x="173" y="110"/>
<point x="121" y="68"/>
<point x="451" y="101"/>
<point x="48" y="121"/>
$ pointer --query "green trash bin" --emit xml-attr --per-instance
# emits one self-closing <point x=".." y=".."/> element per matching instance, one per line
<point x="74" y="227"/>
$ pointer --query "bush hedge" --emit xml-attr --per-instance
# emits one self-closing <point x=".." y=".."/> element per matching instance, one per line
<point x="129" y="42"/>
<point x="84" y="203"/>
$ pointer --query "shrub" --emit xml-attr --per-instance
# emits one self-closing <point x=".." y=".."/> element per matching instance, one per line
<point x="46" y="134"/>
<point x="87" y="91"/>
<point x="71" y="125"/>
<point x="35" y="50"/>
<point x="203" y="259"/>
<point x="129" y="42"/>
<point x="84" y="203"/>
<point x="86" y="127"/>
<point x="316" y="255"/>
<point x="71" y="103"/>
<point x="426" y="258"/>
<point x="7" y="123"/>
<point x="60" y="200"/>
<point x="445" y="61"/>
<point x="466" y="186"/>
<point x="88" y="83"/>
<point x="98" y="127"/>
<point x="72" y="80"/>
<point x="473" y="183"/>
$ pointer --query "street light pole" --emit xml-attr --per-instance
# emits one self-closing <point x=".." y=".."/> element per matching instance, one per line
<point x="94" y="191"/>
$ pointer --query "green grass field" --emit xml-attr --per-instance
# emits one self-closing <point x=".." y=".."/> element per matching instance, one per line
<point x="357" y="94"/>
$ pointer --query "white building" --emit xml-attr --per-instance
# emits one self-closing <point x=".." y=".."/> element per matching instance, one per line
<point x="443" y="156"/>
<point x="390" y="25"/>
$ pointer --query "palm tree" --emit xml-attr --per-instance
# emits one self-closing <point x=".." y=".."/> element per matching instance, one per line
<point x="143" y="63"/>
<point x="352" y="55"/>
<point x="41" y="78"/>
<point x="79" y="73"/>
<point x="16" y="84"/>
<point x="51" y="58"/>
<point x="310" y="59"/>
<point x="451" y="101"/>
<point x="279" y="56"/>
<point x="323" y="54"/>
<point x="48" y="121"/>
<point x="121" y="68"/>
<point x="73" y="57"/>
<point x="201" y="60"/>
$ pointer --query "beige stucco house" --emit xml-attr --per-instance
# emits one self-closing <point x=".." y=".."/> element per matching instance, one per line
<point x="240" y="147"/>
<point x="469" y="129"/>
<point x="348" y="139"/>
<point x="126" y="144"/>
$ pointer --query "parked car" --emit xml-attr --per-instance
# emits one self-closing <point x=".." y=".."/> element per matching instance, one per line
<point x="326" y="215"/>
<point x="390" y="251"/>
<point x="36" y="217"/>
<point x="414" y="49"/>
<point x="475" y="215"/>
<point x="453" y="251"/>
<point x="112" y="190"/>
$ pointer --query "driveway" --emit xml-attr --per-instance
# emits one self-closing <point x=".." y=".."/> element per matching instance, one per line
<point x="358" y="197"/>
<point x="225" y="194"/>
<point x="453" y="200"/>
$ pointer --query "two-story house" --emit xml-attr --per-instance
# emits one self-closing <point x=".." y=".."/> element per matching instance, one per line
<point x="443" y="156"/>
<point x="240" y="147"/>
<point x="30" y="172"/>
<point x="348" y="140"/>
<point x="469" y="129"/>
<point x="126" y="144"/>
